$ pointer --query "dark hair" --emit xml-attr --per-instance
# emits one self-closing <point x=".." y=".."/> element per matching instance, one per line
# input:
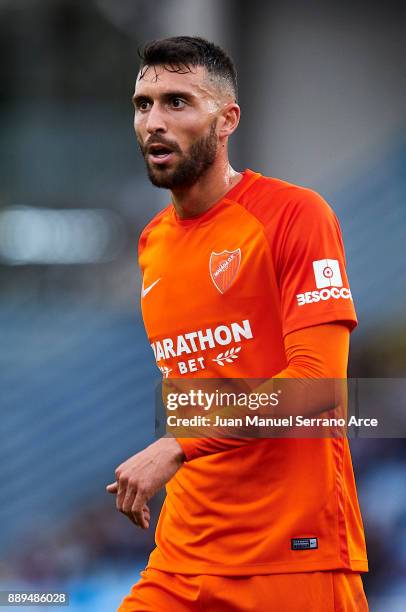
<point x="179" y="53"/>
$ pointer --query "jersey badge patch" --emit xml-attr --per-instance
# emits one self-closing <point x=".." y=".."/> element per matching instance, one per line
<point x="224" y="268"/>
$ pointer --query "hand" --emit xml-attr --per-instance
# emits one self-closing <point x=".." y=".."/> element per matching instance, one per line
<point x="142" y="475"/>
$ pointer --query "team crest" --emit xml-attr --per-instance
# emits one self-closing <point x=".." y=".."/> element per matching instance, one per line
<point x="224" y="268"/>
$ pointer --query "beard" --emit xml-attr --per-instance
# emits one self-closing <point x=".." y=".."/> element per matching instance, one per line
<point x="191" y="166"/>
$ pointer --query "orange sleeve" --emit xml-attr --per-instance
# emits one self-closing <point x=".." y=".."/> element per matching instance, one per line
<point x="308" y="253"/>
<point x="320" y="351"/>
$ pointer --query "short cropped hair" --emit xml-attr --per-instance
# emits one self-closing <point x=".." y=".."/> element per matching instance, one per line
<point x="180" y="53"/>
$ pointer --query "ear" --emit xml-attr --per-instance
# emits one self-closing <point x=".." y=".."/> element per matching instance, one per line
<point x="229" y="119"/>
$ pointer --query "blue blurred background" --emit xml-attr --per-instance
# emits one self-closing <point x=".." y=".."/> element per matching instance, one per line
<point x="323" y="94"/>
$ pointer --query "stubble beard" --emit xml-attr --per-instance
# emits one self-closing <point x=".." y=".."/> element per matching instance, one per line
<point x="190" y="168"/>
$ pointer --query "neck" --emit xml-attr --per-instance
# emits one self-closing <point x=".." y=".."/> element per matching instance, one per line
<point x="212" y="186"/>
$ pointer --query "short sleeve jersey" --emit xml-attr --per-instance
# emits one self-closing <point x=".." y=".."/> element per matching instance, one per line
<point x="264" y="261"/>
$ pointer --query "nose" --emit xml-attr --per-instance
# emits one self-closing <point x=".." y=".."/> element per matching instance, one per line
<point x="156" y="120"/>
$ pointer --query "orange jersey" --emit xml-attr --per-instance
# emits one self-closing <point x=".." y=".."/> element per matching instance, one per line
<point x="264" y="261"/>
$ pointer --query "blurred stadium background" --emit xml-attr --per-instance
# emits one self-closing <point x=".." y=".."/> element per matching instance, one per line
<point x="322" y="87"/>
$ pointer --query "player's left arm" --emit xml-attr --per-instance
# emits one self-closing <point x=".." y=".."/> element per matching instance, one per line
<point x="315" y="352"/>
<point x="316" y="334"/>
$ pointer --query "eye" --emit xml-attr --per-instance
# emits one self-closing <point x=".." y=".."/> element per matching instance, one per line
<point x="142" y="105"/>
<point x="177" y="102"/>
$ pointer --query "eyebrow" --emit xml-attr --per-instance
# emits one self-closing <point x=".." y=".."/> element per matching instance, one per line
<point x="164" y="97"/>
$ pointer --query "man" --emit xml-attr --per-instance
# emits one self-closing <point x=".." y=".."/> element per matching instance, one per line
<point x="254" y="265"/>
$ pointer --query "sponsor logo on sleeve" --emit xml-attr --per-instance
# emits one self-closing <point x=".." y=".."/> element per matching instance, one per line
<point x="327" y="273"/>
<point x="329" y="284"/>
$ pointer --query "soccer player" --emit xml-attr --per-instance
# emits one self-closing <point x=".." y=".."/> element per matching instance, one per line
<point x="252" y="265"/>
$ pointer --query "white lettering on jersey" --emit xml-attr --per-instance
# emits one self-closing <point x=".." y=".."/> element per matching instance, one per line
<point x="328" y="279"/>
<point x="202" y="340"/>
<point x="310" y="297"/>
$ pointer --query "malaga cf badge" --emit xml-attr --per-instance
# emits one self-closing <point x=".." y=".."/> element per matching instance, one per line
<point x="224" y="267"/>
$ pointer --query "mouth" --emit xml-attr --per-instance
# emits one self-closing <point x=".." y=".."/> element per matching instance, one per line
<point x="160" y="154"/>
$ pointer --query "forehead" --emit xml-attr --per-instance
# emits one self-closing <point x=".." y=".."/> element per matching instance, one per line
<point x="159" y="79"/>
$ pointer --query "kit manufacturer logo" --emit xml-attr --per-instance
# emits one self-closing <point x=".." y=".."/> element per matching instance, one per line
<point x="146" y="290"/>
<point x="303" y="543"/>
